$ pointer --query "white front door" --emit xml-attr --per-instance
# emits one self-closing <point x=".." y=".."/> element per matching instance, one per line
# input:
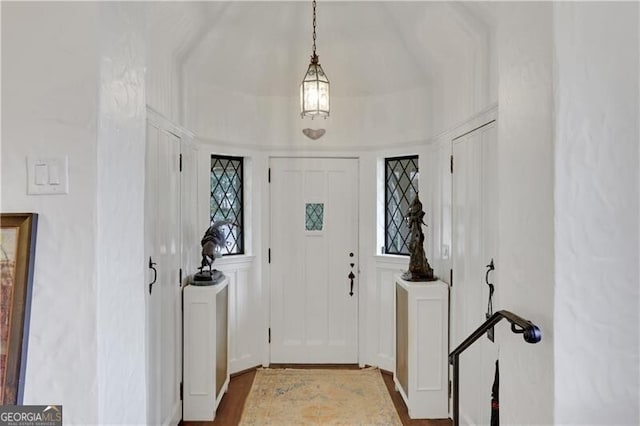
<point x="314" y="249"/>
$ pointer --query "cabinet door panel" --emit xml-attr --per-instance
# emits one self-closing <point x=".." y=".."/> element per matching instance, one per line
<point x="402" y="338"/>
<point x="222" y="301"/>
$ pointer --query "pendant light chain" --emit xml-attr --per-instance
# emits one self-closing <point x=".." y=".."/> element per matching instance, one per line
<point x="314" y="57"/>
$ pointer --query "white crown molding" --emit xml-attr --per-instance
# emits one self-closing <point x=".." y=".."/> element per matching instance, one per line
<point x="481" y="117"/>
<point x="164" y="123"/>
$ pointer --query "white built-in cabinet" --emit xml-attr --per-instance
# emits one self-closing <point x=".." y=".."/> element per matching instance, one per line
<point x="206" y="348"/>
<point x="170" y="237"/>
<point x="421" y="349"/>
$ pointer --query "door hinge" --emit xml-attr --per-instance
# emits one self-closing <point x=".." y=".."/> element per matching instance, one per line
<point x="182" y="391"/>
<point x="451" y="277"/>
<point x="450" y="386"/>
<point x="180" y="162"/>
<point x="451" y="165"/>
<point x="180" y="281"/>
<point x="269" y="178"/>
<point x="269" y="334"/>
<point x="269" y="255"/>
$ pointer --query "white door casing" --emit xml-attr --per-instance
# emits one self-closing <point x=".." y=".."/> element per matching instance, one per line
<point x="314" y="319"/>
<point x="474" y="245"/>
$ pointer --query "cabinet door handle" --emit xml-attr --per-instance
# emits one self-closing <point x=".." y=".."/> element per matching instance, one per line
<point x="152" y="266"/>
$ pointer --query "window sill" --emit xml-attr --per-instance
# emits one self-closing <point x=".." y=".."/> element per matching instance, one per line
<point x="394" y="259"/>
<point x="239" y="259"/>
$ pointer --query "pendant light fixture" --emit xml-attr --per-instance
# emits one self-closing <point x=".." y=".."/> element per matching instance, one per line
<point x="314" y="90"/>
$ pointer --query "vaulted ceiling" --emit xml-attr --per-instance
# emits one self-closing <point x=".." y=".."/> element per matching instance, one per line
<point x="366" y="48"/>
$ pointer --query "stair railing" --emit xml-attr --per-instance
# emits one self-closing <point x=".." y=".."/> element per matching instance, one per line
<point x="531" y="334"/>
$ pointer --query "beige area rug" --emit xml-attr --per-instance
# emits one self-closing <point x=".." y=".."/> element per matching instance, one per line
<point x="319" y="397"/>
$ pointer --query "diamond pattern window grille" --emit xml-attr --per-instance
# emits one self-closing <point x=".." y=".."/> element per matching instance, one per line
<point x="314" y="216"/>
<point x="226" y="200"/>
<point x="401" y="187"/>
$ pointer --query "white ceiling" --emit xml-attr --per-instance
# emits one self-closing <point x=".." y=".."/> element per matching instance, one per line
<point x="366" y="48"/>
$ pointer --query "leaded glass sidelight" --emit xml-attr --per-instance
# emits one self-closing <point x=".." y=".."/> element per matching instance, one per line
<point x="227" y="198"/>
<point x="401" y="187"/>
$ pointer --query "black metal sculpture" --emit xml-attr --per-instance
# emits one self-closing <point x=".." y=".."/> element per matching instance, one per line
<point x="214" y="238"/>
<point x="419" y="268"/>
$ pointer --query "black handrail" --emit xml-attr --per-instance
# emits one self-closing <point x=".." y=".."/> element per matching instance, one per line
<point x="531" y="334"/>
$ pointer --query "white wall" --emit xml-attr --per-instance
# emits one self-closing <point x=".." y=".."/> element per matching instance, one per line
<point x="49" y="98"/>
<point x="436" y="198"/>
<point x="362" y="123"/>
<point x="163" y="88"/>
<point x="73" y="84"/>
<point x="377" y="271"/>
<point x="121" y="269"/>
<point x="248" y="332"/>
<point x="526" y="229"/>
<point x="217" y="115"/>
<point x="453" y="96"/>
<point x="163" y="85"/>
<point x="596" y="213"/>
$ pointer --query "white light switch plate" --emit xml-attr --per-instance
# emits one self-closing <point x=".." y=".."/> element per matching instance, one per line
<point x="47" y="175"/>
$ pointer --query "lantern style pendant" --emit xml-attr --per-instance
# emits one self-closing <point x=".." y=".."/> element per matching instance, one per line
<point x="314" y="90"/>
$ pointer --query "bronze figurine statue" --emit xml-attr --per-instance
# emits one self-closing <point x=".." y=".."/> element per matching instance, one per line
<point x="419" y="268"/>
<point x="214" y="239"/>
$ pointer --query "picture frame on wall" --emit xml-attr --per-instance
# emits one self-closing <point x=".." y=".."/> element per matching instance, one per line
<point x="17" y="255"/>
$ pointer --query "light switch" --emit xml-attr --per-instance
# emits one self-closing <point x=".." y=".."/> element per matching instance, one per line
<point x="47" y="175"/>
<point x="41" y="174"/>
<point x="54" y="173"/>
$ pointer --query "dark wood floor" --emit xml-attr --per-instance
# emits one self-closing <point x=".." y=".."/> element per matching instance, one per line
<point x="232" y="403"/>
